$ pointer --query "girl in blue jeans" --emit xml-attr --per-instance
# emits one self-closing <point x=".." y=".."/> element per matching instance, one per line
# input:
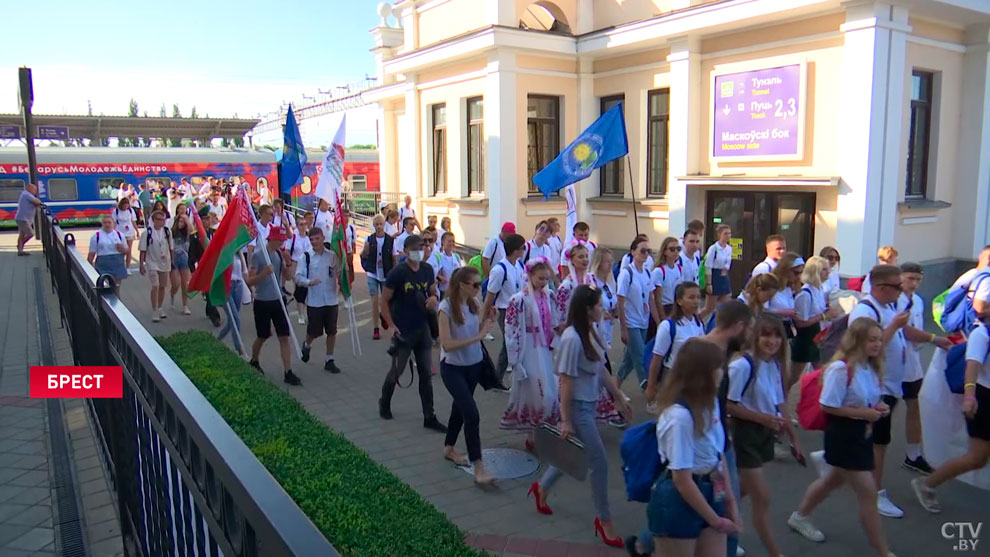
<point x="692" y="507"/>
<point x="233" y="306"/>
<point x="635" y="307"/>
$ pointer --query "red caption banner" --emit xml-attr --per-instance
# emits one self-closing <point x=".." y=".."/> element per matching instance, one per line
<point x="77" y="382"/>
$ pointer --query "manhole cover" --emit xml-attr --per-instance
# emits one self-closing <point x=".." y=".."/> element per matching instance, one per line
<point x="507" y="464"/>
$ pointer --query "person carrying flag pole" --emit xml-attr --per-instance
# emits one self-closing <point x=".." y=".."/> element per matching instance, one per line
<point x="328" y="188"/>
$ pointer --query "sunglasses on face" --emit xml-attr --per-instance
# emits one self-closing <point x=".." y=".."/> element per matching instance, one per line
<point x="428" y="241"/>
<point x="646" y="251"/>
<point x="898" y="286"/>
<point x="674" y="248"/>
<point x="832" y="258"/>
<point x="474" y="284"/>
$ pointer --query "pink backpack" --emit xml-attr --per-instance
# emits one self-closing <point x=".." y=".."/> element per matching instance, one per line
<point x="809" y="411"/>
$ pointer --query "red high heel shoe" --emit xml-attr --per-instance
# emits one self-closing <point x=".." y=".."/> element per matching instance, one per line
<point x="529" y="446"/>
<point x="611" y="542"/>
<point x="541" y="504"/>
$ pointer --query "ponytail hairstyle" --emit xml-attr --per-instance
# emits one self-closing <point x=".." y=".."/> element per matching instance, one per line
<point x="693" y="380"/>
<point x="585" y="298"/>
<point x="456" y="295"/>
<point x="764" y="282"/>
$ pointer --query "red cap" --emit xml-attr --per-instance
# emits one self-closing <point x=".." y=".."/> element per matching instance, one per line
<point x="509" y="228"/>
<point x="277" y="233"/>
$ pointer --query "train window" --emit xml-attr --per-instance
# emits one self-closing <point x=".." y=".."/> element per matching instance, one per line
<point x="62" y="189"/>
<point x="108" y="187"/>
<point x="162" y="182"/>
<point x="358" y="182"/>
<point x="10" y="189"/>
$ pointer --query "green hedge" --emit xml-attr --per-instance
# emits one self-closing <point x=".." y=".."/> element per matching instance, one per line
<point x="357" y="503"/>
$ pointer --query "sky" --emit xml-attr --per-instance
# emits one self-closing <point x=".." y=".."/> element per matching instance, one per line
<point x="224" y="57"/>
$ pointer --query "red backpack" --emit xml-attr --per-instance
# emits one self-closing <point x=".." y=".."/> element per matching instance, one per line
<point x="809" y="411"/>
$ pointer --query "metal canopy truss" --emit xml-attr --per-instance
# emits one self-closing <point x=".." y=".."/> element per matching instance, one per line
<point x="100" y="127"/>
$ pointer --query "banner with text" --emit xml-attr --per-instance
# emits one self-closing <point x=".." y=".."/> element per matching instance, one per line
<point x="759" y="114"/>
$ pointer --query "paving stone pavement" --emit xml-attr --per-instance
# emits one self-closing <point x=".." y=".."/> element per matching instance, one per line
<point x="503" y="520"/>
<point x="26" y="510"/>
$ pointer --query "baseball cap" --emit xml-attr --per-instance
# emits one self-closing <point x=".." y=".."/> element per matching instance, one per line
<point x="509" y="228"/>
<point x="276" y="233"/>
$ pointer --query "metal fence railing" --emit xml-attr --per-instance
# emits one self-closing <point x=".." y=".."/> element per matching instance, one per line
<point x="184" y="482"/>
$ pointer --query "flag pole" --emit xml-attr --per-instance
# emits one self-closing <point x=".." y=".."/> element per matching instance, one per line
<point x="632" y="190"/>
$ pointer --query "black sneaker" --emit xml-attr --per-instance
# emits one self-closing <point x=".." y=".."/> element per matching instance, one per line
<point x="305" y="352"/>
<point x="215" y="319"/>
<point x="257" y="366"/>
<point x="500" y="388"/>
<point x="331" y="367"/>
<point x="630" y="543"/>
<point x="291" y="378"/>
<point x="433" y="423"/>
<point x="919" y="465"/>
<point x="383" y="410"/>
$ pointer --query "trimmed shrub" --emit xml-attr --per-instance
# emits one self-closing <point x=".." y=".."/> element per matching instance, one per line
<point x="361" y="507"/>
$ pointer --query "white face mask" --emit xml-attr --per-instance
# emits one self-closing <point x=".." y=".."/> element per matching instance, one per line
<point x="416" y="256"/>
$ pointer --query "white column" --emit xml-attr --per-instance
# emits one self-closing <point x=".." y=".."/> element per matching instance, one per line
<point x="585" y="14"/>
<point x="409" y="142"/>
<point x="386" y="150"/>
<point x="502" y="119"/>
<point x="501" y="12"/>
<point x="871" y="90"/>
<point x="972" y="198"/>
<point x="685" y="116"/>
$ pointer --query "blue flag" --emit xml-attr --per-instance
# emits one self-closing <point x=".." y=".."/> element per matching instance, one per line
<point x="293" y="155"/>
<point x="603" y="141"/>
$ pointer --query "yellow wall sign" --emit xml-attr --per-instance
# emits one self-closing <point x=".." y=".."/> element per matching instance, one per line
<point x="737" y="245"/>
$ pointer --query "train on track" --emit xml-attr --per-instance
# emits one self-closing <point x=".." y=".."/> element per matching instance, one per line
<point x="78" y="184"/>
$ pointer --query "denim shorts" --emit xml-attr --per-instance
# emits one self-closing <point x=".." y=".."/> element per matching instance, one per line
<point x="375" y="286"/>
<point x="670" y="516"/>
<point x="181" y="261"/>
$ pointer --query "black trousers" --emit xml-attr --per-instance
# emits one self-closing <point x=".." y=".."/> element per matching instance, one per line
<point x="461" y="382"/>
<point x="419" y="344"/>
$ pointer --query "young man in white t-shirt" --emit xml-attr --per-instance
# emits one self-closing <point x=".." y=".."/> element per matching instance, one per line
<point x="691" y="256"/>
<point x="556" y="244"/>
<point x="914" y="372"/>
<point x="539" y="246"/>
<point x="881" y="306"/>
<point x="295" y="247"/>
<point x="495" y="248"/>
<point x="635" y="307"/>
<point x="776" y="248"/>
<point x="406" y="211"/>
<point x="506" y="278"/>
<point x="400" y="241"/>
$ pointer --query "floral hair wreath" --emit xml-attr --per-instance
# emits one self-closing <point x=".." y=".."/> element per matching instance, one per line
<point x="534" y="261"/>
<point x="574" y="243"/>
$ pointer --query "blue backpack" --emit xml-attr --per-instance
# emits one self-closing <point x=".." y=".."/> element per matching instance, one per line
<point x="955" y="368"/>
<point x="957" y="307"/>
<point x="484" y="283"/>
<point x="641" y="464"/>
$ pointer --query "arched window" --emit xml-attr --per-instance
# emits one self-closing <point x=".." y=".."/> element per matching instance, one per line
<point x="545" y="16"/>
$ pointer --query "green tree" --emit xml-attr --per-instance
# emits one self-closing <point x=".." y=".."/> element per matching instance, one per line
<point x="132" y="111"/>
<point x="175" y="141"/>
<point x="192" y="113"/>
<point x="175" y="111"/>
<point x="225" y="142"/>
<point x="239" y="142"/>
<point x="162" y="112"/>
<point x="362" y="146"/>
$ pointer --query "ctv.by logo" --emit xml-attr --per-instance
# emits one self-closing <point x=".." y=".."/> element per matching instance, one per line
<point x="965" y="534"/>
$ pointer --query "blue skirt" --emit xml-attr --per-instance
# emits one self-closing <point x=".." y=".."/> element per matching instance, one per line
<point x="720" y="283"/>
<point x="112" y="265"/>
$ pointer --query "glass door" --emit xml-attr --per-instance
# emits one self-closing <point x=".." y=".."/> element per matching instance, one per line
<point x="735" y="210"/>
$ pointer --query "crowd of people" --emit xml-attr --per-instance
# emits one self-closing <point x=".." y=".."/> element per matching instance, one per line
<point x="713" y="368"/>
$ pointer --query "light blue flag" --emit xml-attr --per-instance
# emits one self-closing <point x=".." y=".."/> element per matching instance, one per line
<point x="293" y="155"/>
<point x="603" y="141"/>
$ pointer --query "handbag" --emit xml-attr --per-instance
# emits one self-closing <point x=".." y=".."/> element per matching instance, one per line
<point x="567" y="455"/>
<point x="489" y="377"/>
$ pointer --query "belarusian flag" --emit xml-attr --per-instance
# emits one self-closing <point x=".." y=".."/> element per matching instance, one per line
<point x="236" y="230"/>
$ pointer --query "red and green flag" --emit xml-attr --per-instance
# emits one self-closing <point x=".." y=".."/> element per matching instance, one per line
<point x="236" y="230"/>
<point x="328" y="187"/>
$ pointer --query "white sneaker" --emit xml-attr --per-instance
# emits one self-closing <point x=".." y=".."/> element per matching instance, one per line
<point x="886" y="507"/>
<point x="818" y="461"/>
<point x="162" y="314"/>
<point x="302" y="320"/>
<point x="740" y="552"/>
<point x="802" y="525"/>
<point x="926" y="495"/>
<point x="488" y="336"/>
<point x="155" y="318"/>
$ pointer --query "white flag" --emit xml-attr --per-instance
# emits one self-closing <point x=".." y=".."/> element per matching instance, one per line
<point x="332" y="169"/>
<point x="570" y="196"/>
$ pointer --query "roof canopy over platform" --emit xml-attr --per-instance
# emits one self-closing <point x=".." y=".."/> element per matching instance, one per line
<point x="96" y="128"/>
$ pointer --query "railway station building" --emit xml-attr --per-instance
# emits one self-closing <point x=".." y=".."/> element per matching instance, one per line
<point x="853" y="124"/>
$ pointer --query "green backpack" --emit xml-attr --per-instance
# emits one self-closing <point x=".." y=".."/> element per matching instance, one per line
<point x="476" y="263"/>
<point x="702" y="279"/>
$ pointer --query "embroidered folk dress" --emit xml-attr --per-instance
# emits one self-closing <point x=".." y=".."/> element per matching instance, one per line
<point x="605" y="408"/>
<point x="529" y="331"/>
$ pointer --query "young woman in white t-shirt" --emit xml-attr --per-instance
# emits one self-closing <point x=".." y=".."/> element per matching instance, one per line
<point x="692" y="508"/>
<point x="684" y="314"/>
<point x="106" y="251"/>
<point x="831" y="286"/>
<point x="718" y="261"/>
<point x="667" y="275"/>
<point x="758" y="407"/>
<point x="811" y="314"/>
<point x="126" y="220"/>
<point x="852" y="404"/>
<point x="636" y="306"/>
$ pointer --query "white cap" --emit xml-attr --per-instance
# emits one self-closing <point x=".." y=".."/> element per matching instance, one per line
<point x="383" y="204"/>
<point x="799" y="262"/>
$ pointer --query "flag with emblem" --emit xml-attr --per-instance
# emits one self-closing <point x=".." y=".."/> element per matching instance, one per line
<point x="602" y="142"/>
<point x="293" y="156"/>
<point x="328" y="187"/>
